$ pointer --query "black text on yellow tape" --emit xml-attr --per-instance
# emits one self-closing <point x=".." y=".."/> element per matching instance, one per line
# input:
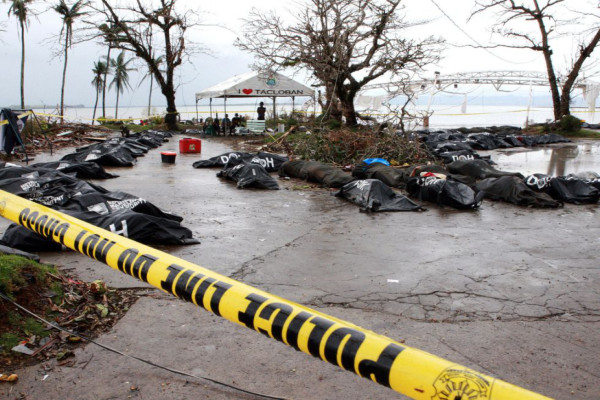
<point x="415" y="373"/>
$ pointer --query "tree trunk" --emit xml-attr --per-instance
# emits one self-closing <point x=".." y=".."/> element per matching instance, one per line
<point x="95" y="106"/>
<point x="331" y="108"/>
<point x="171" y="118"/>
<point x="150" y="96"/>
<point x="349" y="112"/>
<point x="556" y="104"/>
<point x="569" y="82"/>
<point x="22" y="65"/>
<point x="346" y="96"/>
<point x="565" y="105"/>
<point x="547" y="51"/>
<point x="117" y="106"/>
<point x="64" y="75"/>
<point x="104" y="83"/>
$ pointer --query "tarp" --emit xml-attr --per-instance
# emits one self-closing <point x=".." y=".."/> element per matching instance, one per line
<point x="82" y="170"/>
<point x="513" y="190"/>
<point x="144" y="228"/>
<point x="106" y="203"/>
<point x="565" y="189"/>
<point x="250" y="175"/>
<point x="272" y="162"/>
<point x="10" y="133"/>
<point x="315" y="171"/>
<point x="109" y="154"/>
<point x="119" y="212"/>
<point x="257" y="84"/>
<point x="9" y="250"/>
<point x="394" y="177"/>
<point x="478" y="169"/>
<point x="460" y="155"/>
<point x="221" y="160"/>
<point x="443" y="192"/>
<point x="374" y="195"/>
<point x="119" y="152"/>
<point x="50" y="189"/>
<point x="440" y="172"/>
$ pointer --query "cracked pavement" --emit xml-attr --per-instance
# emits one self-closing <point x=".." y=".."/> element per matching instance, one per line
<point x="505" y="290"/>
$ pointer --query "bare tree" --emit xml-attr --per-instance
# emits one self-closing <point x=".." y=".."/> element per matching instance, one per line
<point x="134" y="21"/>
<point x="402" y="113"/>
<point x="345" y="44"/>
<point x="551" y="19"/>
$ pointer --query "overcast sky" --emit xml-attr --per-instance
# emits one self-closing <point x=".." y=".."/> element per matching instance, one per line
<point x="43" y="69"/>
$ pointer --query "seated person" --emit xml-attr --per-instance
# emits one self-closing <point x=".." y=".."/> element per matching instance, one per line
<point x="235" y="122"/>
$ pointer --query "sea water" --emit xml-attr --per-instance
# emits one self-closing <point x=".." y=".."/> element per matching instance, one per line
<point x="441" y="116"/>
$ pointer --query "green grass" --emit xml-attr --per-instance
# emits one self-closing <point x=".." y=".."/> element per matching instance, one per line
<point x="9" y="340"/>
<point x="34" y="327"/>
<point x="16" y="273"/>
<point x="582" y="133"/>
<point x="12" y="277"/>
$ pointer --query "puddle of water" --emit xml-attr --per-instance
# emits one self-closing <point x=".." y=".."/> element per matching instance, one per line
<point x="556" y="160"/>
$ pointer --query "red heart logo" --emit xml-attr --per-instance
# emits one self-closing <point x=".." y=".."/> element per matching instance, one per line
<point x="247" y="91"/>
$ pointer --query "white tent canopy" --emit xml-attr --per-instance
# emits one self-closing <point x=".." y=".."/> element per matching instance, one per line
<point x="256" y="84"/>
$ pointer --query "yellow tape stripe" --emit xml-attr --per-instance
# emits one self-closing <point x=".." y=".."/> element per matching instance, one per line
<point x="20" y="116"/>
<point x="415" y="373"/>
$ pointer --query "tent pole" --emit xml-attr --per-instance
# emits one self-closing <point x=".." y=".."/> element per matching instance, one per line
<point x="274" y="109"/>
<point x="225" y="117"/>
<point x="211" y="108"/>
<point x="196" y="110"/>
<point x="293" y="102"/>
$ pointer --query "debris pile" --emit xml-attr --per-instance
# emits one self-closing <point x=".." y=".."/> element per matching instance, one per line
<point x="343" y="147"/>
<point x="85" y="308"/>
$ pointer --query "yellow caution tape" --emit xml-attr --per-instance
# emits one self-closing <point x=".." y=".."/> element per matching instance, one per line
<point x="409" y="371"/>
<point x="20" y="116"/>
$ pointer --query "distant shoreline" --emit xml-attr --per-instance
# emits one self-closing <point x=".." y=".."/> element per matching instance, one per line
<point x="43" y="107"/>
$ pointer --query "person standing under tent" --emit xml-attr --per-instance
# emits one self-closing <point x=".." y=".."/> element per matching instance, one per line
<point x="261" y="110"/>
<point x="226" y="124"/>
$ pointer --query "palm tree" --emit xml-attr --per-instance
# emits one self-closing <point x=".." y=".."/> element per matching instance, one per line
<point x="120" y="76"/>
<point x="110" y="34"/>
<point x="19" y="8"/>
<point x="99" y="70"/>
<point x="157" y="61"/>
<point x="68" y="15"/>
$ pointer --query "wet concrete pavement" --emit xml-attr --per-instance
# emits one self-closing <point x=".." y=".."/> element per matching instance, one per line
<point x="508" y="291"/>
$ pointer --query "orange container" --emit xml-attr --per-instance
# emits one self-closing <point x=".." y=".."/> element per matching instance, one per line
<point x="190" y="145"/>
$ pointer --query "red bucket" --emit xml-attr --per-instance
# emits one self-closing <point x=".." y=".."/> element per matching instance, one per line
<point x="190" y="145"/>
<point x="168" y="157"/>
